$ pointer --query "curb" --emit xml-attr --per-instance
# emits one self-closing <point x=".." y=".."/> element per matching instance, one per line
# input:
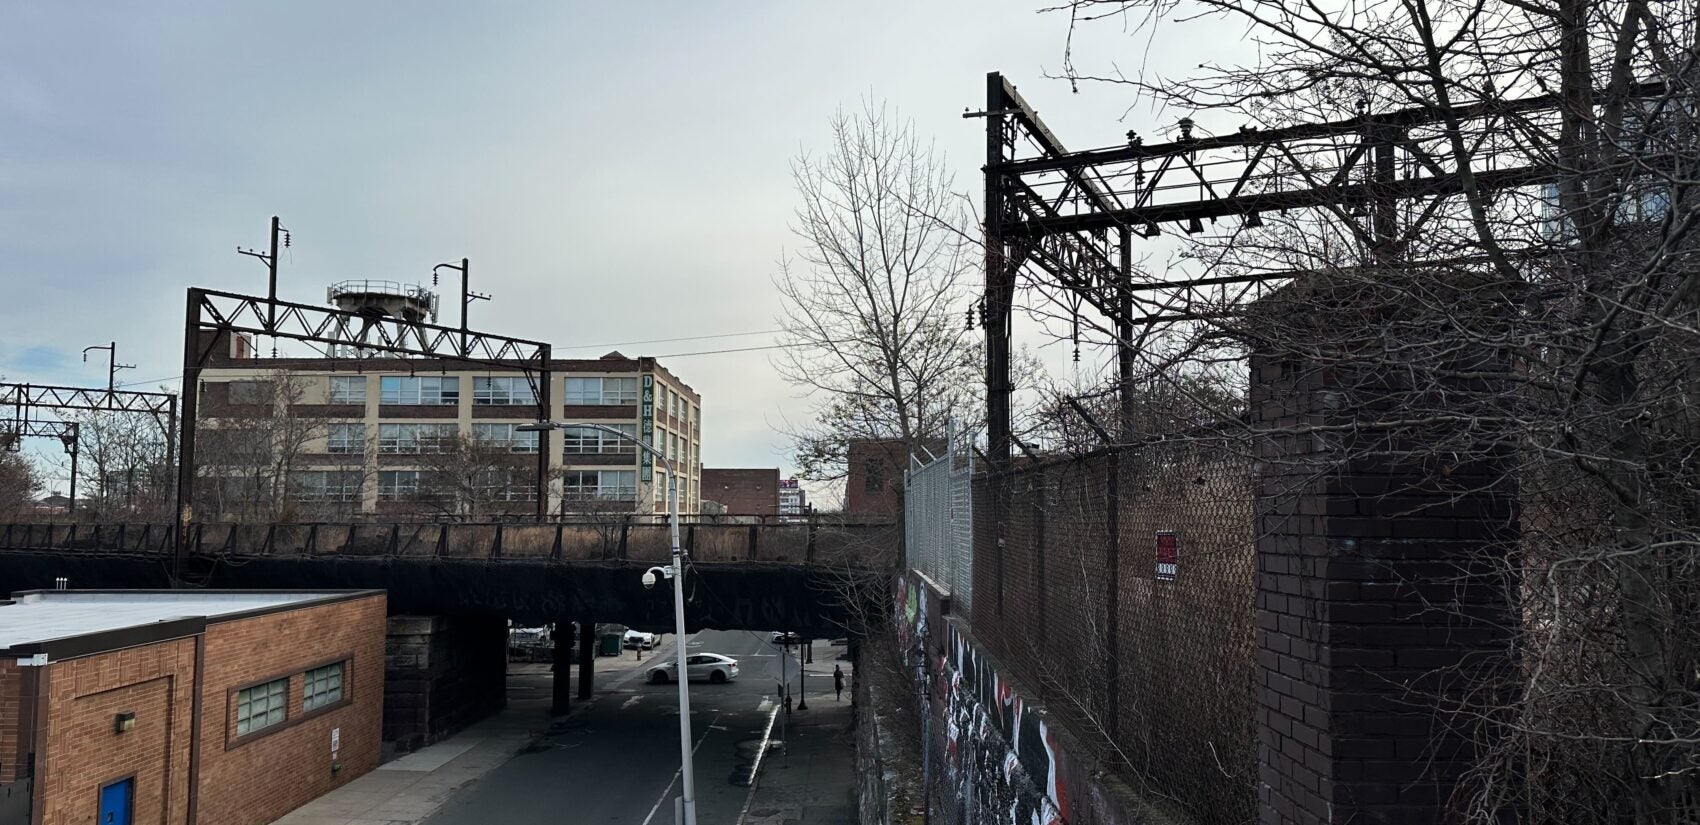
<point x="755" y="770"/>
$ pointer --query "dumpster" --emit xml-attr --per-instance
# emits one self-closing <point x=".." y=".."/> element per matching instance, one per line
<point x="610" y="645"/>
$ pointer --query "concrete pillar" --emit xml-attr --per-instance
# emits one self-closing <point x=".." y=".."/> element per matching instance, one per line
<point x="561" y="691"/>
<point x="1379" y="602"/>
<point x="586" y="659"/>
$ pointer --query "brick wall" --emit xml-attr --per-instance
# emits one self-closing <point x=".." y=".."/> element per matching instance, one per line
<point x="11" y="718"/>
<point x="84" y="752"/>
<point x="1378" y="602"/>
<point x="259" y="778"/>
<point x="743" y="492"/>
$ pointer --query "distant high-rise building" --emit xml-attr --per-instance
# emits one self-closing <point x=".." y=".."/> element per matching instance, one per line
<point x="793" y="501"/>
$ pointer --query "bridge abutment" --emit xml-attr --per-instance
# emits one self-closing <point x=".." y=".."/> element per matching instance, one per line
<point x="441" y="674"/>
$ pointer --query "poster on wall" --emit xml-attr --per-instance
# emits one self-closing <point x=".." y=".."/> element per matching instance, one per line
<point x="1168" y="554"/>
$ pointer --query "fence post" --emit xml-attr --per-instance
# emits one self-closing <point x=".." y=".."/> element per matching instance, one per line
<point x="555" y="550"/>
<point x="755" y="536"/>
<point x="625" y="529"/>
<point x="809" y="551"/>
<point x="395" y="541"/>
<point x="496" y="544"/>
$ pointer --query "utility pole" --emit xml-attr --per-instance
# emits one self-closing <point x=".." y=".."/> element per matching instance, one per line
<point x="270" y="260"/>
<point x="112" y="365"/>
<point x="467" y="296"/>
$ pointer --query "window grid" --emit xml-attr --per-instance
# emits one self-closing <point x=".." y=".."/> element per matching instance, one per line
<point x="503" y="391"/>
<point x="505" y="436"/>
<point x="348" y="389"/>
<point x="601" y="391"/>
<point x="261" y="706"/>
<point x="345" y="438"/>
<point x="323" y="686"/>
<point x="416" y="438"/>
<point x="395" y="484"/>
<point x="600" y="484"/>
<point x="327" y="485"/>
<point x="593" y="440"/>
<point x="439" y="391"/>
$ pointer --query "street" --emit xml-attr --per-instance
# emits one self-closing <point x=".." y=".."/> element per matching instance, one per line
<point x="617" y="761"/>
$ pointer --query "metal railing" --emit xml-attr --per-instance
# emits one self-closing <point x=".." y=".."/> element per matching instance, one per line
<point x="870" y="546"/>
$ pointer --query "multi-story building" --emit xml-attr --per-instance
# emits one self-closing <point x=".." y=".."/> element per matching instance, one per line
<point x="409" y="437"/>
<point x="793" y="500"/>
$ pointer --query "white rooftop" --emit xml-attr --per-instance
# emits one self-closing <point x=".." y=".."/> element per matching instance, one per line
<point x="59" y="614"/>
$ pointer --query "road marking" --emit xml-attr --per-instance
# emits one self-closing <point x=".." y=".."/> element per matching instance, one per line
<point x="755" y="770"/>
<point x="632" y="701"/>
<point x="680" y="770"/>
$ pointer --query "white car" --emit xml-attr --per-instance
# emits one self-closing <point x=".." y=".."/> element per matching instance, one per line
<point x="639" y="640"/>
<point x="711" y="667"/>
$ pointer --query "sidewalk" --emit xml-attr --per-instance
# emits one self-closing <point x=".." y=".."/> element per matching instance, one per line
<point x="812" y="779"/>
<point x="407" y="790"/>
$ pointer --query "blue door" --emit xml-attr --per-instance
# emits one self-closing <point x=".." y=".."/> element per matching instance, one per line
<point x="115" y="802"/>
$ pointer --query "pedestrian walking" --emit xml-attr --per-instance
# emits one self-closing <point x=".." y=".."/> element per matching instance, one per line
<point x="838" y="682"/>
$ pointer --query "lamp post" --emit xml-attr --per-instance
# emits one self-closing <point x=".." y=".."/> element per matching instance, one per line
<point x="688" y="803"/>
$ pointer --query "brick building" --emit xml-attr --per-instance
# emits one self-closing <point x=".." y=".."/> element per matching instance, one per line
<point x="874" y="484"/>
<point x="184" y="707"/>
<point x="743" y="492"/>
<point x="397" y="437"/>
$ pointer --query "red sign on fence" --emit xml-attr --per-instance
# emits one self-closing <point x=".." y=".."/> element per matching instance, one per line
<point x="1168" y="554"/>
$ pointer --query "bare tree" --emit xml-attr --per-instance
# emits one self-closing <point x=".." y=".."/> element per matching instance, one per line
<point x="122" y="466"/>
<point x="252" y="446"/>
<point x="470" y="478"/>
<point x="873" y="328"/>
<point x="1545" y="334"/>
<point x="18" y="485"/>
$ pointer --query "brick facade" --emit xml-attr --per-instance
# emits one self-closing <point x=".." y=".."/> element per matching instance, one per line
<point x="1377" y="605"/>
<point x="743" y="492"/>
<point x="182" y="684"/>
<point x="295" y="641"/>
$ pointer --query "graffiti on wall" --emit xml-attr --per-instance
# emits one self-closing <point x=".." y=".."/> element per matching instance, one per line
<point x="1001" y="760"/>
<point x="1001" y="756"/>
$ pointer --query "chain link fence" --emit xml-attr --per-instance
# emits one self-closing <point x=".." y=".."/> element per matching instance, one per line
<point x="1121" y="585"/>
<point x="939" y="520"/>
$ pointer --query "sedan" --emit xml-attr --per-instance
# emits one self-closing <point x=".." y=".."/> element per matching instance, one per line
<point x="711" y="667"/>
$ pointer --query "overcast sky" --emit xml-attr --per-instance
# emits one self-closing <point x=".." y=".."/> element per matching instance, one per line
<point x="617" y="172"/>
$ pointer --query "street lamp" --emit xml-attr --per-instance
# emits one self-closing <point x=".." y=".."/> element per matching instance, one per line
<point x="688" y="806"/>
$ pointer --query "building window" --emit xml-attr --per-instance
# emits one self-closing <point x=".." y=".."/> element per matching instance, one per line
<point x="432" y="391"/>
<point x="600" y="484"/>
<point x="416" y="438"/>
<point x="874" y="480"/>
<point x="592" y="440"/>
<point x="506" y="485"/>
<point x="327" y="485"/>
<point x="345" y="438"/>
<point x="503" y="392"/>
<point x="348" y="389"/>
<point x="323" y="686"/>
<point x="602" y="391"/>
<point x="504" y="437"/>
<point x="399" y="484"/>
<point x="250" y="392"/>
<point x="260" y="706"/>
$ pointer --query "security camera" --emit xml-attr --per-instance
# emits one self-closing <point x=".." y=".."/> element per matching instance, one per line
<point x="654" y="574"/>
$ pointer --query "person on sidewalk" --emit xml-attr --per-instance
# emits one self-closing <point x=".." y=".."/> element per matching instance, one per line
<point x="838" y="682"/>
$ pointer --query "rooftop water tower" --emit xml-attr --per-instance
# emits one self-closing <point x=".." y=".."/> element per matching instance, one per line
<point x="375" y="301"/>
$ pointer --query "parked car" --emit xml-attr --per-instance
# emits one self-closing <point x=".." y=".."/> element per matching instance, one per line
<point x="710" y="667"/>
<point x="639" y="640"/>
<point x="782" y="637"/>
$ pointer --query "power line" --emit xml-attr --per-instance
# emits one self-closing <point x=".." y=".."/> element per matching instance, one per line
<point x="671" y="340"/>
